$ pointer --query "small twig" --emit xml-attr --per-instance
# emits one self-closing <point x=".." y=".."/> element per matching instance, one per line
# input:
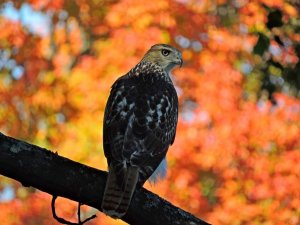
<point x="78" y="213"/>
<point x="59" y="219"/>
<point x="62" y="220"/>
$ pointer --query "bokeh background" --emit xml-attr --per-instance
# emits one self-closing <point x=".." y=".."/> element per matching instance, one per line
<point x="236" y="158"/>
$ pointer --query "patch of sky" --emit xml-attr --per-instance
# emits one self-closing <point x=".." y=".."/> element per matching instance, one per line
<point x="188" y="111"/>
<point x="276" y="80"/>
<point x="42" y="125"/>
<point x="275" y="50"/>
<point x="10" y="64"/>
<point x="7" y="194"/>
<point x="36" y="22"/>
<point x="4" y="57"/>
<point x="17" y="72"/>
<point x="60" y="118"/>
<point x="197" y="46"/>
<point x="246" y="68"/>
<point x="10" y="12"/>
<point x="183" y="41"/>
<point x="244" y="28"/>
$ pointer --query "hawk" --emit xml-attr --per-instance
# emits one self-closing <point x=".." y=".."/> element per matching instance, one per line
<point x="139" y="126"/>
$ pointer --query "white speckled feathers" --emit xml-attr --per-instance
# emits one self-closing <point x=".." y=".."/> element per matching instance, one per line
<point x="139" y="126"/>
<point x="141" y="117"/>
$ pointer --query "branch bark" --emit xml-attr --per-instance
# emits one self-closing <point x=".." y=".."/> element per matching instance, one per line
<point x="47" y="171"/>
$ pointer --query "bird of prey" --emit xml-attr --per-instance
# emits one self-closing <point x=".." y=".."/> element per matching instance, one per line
<point x="139" y="126"/>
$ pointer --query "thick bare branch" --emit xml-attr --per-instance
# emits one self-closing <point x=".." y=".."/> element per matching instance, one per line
<point x="59" y="176"/>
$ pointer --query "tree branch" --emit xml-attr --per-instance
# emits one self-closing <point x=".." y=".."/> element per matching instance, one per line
<point x="59" y="176"/>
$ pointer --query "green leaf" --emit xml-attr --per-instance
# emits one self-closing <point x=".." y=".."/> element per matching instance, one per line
<point x="262" y="44"/>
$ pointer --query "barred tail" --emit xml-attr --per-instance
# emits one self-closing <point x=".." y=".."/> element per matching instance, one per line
<point x="116" y="199"/>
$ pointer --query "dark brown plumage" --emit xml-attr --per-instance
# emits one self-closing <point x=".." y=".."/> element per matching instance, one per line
<point x="139" y="125"/>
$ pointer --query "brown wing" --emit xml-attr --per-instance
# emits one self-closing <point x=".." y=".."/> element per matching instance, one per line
<point x="140" y="123"/>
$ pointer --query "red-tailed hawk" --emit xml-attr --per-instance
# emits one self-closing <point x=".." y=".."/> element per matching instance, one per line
<point x="139" y="126"/>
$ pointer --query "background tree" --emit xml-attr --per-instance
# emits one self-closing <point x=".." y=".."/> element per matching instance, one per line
<point x="236" y="156"/>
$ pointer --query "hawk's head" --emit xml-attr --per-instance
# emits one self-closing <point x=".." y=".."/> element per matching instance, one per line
<point x="164" y="55"/>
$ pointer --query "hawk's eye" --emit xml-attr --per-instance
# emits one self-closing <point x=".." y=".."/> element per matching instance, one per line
<point x="165" y="52"/>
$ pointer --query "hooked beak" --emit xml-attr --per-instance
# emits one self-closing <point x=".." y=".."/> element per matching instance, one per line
<point x="179" y="62"/>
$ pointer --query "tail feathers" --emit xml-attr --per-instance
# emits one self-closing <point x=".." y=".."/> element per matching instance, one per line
<point x="130" y="184"/>
<point x="112" y="194"/>
<point x="116" y="199"/>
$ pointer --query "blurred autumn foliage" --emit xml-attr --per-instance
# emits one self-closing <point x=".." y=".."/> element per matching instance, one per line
<point x="236" y="158"/>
